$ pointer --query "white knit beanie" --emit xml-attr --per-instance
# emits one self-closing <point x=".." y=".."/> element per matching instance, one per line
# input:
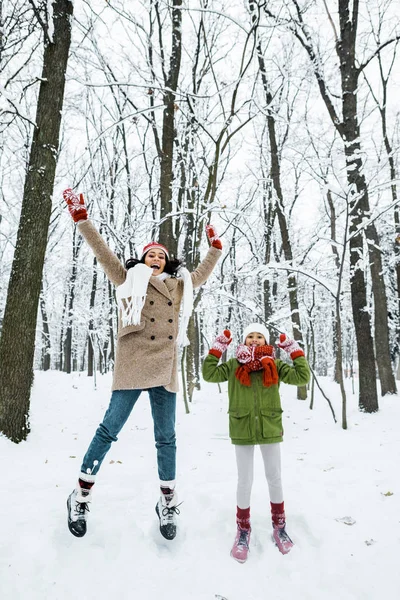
<point x="256" y="328"/>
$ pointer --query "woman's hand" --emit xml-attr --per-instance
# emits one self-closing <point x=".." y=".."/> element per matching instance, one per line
<point x="76" y="206"/>
<point x="221" y="343"/>
<point x="213" y="237"/>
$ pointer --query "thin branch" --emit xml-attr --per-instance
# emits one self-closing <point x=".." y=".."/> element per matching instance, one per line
<point x="370" y="221"/>
<point x="285" y="267"/>
<point x="41" y="22"/>
<point x="214" y="12"/>
<point x="377" y="51"/>
<point x="323" y="393"/>
<point x="135" y="114"/>
<point x="15" y="107"/>
<point x="331" y="21"/>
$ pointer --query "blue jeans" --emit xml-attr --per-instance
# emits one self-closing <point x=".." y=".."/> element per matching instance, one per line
<point x="163" y="406"/>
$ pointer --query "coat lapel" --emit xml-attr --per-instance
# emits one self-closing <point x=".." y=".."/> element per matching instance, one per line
<point x="160" y="287"/>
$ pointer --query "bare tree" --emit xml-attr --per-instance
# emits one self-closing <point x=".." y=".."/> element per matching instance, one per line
<point x="17" y="340"/>
<point x="275" y="176"/>
<point x="349" y="130"/>
<point x="386" y="64"/>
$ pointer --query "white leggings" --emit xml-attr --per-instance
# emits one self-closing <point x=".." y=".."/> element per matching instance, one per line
<point x="271" y="454"/>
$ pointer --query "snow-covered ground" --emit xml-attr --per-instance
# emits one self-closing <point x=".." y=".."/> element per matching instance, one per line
<point x="328" y="474"/>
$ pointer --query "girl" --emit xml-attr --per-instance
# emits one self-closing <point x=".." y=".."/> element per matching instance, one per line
<point x="149" y="294"/>
<point x="255" y="418"/>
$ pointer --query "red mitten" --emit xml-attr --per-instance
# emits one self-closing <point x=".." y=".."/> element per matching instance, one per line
<point x="291" y="347"/>
<point x="244" y="354"/>
<point x="76" y="206"/>
<point x="221" y="343"/>
<point x="213" y="237"/>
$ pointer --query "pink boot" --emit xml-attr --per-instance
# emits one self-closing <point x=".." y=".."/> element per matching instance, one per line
<point x="281" y="539"/>
<point x="279" y="535"/>
<point x="240" y="548"/>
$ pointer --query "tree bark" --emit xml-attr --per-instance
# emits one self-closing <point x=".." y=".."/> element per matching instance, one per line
<point x="68" y="350"/>
<point x="393" y="187"/>
<point x="168" y="131"/>
<point x="275" y="173"/>
<point x="359" y="211"/>
<point x="192" y="255"/>
<point x="17" y="341"/>
<point x="46" y="357"/>
<point x="91" y="323"/>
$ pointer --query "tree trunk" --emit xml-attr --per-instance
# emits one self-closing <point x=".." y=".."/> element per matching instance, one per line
<point x="335" y="252"/>
<point x="393" y="187"/>
<point x="68" y="359"/>
<point x="189" y="191"/>
<point x="168" y="132"/>
<point x="91" y="323"/>
<point x="192" y="377"/>
<point x="46" y="357"/>
<point x="20" y="316"/>
<point x="113" y="307"/>
<point x="233" y="288"/>
<point x="269" y="212"/>
<point x="359" y="210"/>
<point x="60" y="364"/>
<point x="279" y="207"/>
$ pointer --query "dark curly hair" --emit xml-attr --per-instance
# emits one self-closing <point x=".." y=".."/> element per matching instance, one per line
<point x="172" y="265"/>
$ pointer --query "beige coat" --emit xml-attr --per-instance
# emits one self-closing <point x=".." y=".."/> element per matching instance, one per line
<point x="147" y="353"/>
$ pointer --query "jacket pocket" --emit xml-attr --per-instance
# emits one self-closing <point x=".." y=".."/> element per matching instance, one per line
<point x="239" y="425"/>
<point x="271" y="423"/>
<point x="131" y="329"/>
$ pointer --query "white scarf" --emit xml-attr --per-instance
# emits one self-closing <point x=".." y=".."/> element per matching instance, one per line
<point x="131" y="296"/>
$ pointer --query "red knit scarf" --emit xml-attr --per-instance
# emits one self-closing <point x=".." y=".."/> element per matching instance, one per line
<point x="250" y="359"/>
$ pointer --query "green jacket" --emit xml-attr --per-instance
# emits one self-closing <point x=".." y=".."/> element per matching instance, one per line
<point x="255" y="412"/>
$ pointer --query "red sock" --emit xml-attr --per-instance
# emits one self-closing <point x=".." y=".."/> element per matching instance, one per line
<point x="85" y="485"/>
<point x="168" y="493"/>
<point x="243" y="517"/>
<point x="278" y="514"/>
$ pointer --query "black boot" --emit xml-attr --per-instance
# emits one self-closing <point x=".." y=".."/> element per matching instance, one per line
<point x="78" y="507"/>
<point x="167" y="511"/>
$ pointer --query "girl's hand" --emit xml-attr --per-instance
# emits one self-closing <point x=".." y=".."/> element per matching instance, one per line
<point x="76" y="206"/>
<point x="213" y="237"/>
<point x="221" y="343"/>
<point x="244" y="354"/>
<point x="291" y="347"/>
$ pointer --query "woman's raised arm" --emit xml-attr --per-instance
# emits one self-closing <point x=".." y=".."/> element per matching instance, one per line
<point x="111" y="265"/>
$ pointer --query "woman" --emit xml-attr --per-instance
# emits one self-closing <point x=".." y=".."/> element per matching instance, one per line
<point x="150" y="292"/>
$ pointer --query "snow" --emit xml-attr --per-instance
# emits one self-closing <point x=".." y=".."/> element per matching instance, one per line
<point x="50" y="21"/>
<point x="331" y="477"/>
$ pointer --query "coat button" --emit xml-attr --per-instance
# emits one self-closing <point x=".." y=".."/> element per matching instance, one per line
<point x="170" y="303"/>
<point x="170" y="337"/>
<point x="152" y="319"/>
<point x="169" y="320"/>
<point x="153" y="337"/>
<point x="152" y="302"/>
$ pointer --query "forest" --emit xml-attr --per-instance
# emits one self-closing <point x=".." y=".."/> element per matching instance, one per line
<point x="276" y="121"/>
